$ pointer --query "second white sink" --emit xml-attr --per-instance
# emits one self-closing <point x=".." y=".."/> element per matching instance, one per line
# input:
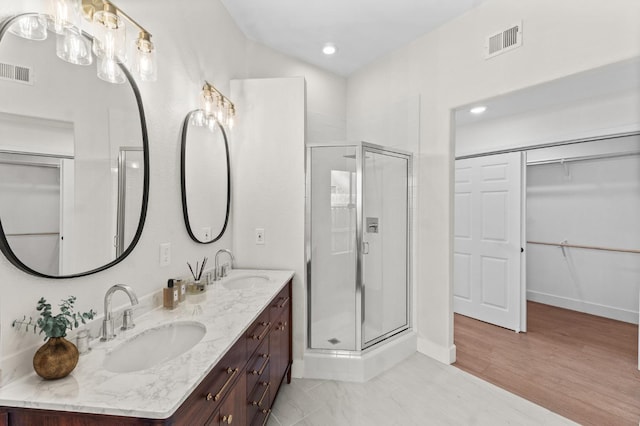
<point x="153" y="346"/>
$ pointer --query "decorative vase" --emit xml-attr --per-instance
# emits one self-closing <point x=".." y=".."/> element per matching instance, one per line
<point x="56" y="358"/>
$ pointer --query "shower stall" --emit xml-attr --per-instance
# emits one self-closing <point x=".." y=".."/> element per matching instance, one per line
<point x="358" y="252"/>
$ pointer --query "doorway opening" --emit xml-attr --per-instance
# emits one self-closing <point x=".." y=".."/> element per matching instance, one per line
<point x="575" y="240"/>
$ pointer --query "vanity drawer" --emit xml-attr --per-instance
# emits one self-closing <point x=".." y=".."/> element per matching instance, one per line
<point x="261" y="417"/>
<point x="214" y="388"/>
<point x="260" y="398"/>
<point x="258" y="332"/>
<point x="258" y="365"/>
<point x="281" y="302"/>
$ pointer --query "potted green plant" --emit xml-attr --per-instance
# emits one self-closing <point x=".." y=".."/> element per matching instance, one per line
<point x="58" y="356"/>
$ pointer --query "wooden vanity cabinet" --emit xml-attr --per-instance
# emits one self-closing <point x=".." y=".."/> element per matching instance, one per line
<point x="280" y="339"/>
<point x="271" y="362"/>
<point x="239" y="390"/>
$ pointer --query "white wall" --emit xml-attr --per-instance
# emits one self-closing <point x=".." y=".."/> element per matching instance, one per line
<point x="194" y="43"/>
<point x="269" y="184"/>
<point x="447" y="69"/>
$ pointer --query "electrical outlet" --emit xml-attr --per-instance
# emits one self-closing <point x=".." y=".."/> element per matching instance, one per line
<point x="165" y="254"/>
<point x="206" y="232"/>
<point x="259" y="235"/>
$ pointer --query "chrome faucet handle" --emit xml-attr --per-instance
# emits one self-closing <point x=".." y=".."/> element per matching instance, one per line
<point x="127" y="320"/>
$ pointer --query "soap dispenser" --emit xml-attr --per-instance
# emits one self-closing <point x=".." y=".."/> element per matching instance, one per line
<point x="171" y="296"/>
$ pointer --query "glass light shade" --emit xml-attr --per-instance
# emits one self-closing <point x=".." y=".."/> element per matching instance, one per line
<point x="231" y="121"/>
<point x="220" y="110"/>
<point x="73" y="47"/>
<point x="63" y="14"/>
<point x="109" y="71"/>
<point x="145" y="65"/>
<point x="110" y="38"/>
<point x="207" y="105"/>
<point x="31" y="27"/>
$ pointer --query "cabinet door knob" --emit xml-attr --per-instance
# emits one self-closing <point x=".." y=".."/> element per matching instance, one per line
<point x="209" y="396"/>
<point x="227" y="419"/>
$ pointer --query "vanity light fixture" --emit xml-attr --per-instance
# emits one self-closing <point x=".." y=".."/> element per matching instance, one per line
<point x="478" y="109"/>
<point x="217" y="107"/>
<point x="109" y="37"/>
<point x="110" y="45"/>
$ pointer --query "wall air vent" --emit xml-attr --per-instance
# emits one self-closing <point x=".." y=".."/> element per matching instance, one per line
<point x="504" y="41"/>
<point x="16" y="73"/>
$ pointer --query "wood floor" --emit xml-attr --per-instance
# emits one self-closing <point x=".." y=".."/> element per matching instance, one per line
<point x="580" y="366"/>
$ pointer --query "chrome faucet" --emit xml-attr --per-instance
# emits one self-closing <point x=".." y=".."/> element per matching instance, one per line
<point x="219" y="271"/>
<point x="108" y="332"/>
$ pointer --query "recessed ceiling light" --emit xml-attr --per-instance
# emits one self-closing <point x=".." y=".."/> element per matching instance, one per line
<point x="329" y="49"/>
<point x="478" y="110"/>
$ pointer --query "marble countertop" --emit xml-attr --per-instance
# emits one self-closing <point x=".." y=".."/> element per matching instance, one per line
<point x="156" y="392"/>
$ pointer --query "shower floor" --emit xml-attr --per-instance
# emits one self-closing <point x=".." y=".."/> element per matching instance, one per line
<point x="338" y="332"/>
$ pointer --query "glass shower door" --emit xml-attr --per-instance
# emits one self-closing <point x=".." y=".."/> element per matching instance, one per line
<point x="332" y="239"/>
<point x="385" y="244"/>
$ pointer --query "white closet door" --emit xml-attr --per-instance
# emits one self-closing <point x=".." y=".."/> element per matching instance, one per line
<point x="488" y="230"/>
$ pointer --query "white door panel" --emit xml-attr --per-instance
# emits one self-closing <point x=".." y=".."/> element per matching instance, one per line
<point x="487" y="239"/>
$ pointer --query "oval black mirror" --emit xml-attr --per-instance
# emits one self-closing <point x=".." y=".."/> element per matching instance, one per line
<point x="74" y="163"/>
<point x="205" y="178"/>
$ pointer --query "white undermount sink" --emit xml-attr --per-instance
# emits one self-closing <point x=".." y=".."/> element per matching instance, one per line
<point x="241" y="282"/>
<point x="154" y="346"/>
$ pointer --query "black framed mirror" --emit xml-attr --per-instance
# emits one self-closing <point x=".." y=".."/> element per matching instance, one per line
<point x="205" y="178"/>
<point x="74" y="160"/>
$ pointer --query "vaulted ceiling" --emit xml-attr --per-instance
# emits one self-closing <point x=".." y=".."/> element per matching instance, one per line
<point x="362" y="30"/>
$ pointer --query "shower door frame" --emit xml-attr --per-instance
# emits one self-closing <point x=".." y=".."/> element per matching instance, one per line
<point x="360" y="148"/>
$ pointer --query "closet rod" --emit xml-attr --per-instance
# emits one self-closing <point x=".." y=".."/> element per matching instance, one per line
<point x="550" y="145"/>
<point x="585" y="247"/>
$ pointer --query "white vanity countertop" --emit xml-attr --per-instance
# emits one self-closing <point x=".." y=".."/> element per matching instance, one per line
<point x="156" y="392"/>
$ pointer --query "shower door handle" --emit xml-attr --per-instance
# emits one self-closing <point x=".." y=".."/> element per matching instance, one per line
<point x="365" y="248"/>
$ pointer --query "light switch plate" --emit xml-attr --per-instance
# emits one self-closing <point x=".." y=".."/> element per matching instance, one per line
<point x="165" y="254"/>
<point x="260" y="236"/>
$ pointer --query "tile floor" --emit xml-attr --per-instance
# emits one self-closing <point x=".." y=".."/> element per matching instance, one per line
<point x="418" y="391"/>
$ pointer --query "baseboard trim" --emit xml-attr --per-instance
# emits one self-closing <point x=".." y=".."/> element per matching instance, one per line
<point x="582" y="306"/>
<point x="438" y="352"/>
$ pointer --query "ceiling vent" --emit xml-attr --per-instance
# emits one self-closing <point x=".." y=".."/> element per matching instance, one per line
<point x="504" y="41"/>
<point x="16" y="73"/>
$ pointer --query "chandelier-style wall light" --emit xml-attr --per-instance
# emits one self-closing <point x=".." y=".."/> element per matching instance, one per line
<point x="109" y="32"/>
<point x="216" y="107"/>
